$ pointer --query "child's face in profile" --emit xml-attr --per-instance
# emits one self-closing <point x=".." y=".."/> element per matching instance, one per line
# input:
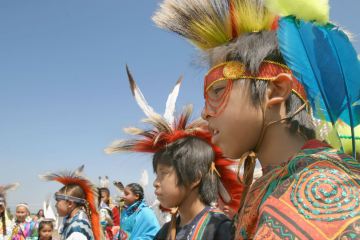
<point x="62" y="208"/>
<point x="46" y="232"/>
<point x="167" y="190"/>
<point x="129" y="197"/>
<point x="21" y="213"/>
<point x="239" y="119"/>
<point x="104" y="196"/>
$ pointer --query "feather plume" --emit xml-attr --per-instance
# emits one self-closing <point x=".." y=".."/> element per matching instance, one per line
<point x="139" y="97"/>
<point x="90" y="190"/>
<point x="119" y="185"/>
<point x="168" y="129"/>
<point x="327" y="67"/>
<point x="307" y="10"/>
<point x="171" y="102"/>
<point x="5" y="188"/>
<point x="211" y="23"/>
<point x="11" y="186"/>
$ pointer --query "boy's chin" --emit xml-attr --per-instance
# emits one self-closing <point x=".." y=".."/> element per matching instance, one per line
<point x="166" y="205"/>
<point x="231" y="153"/>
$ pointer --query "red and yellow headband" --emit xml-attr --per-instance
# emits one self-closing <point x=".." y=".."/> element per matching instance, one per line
<point x="235" y="70"/>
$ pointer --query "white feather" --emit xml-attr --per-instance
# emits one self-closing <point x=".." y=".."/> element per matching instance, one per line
<point x="144" y="180"/>
<point x="171" y="102"/>
<point x="141" y="101"/>
<point x="139" y="97"/>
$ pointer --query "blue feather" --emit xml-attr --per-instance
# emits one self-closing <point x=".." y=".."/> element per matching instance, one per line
<point x="323" y="59"/>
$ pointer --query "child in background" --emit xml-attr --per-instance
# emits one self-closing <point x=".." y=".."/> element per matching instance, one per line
<point x="23" y="226"/>
<point x="138" y="221"/>
<point x="39" y="216"/>
<point x="46" y="228"/>
<point x="184" y="163"/>
<point x="5" y="222"/>
<point x="184" y="181"/>
<point x="77" y="203"/>
<point x="106" y="214"/>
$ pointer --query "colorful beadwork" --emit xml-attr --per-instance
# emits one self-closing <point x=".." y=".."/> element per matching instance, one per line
<point x="314" y="196"/>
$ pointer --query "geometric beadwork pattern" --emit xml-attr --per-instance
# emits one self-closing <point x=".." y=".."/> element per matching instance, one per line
<point x="277" y="228"/>
<point x="325" y="194"/>
<point x="315" y="195"/>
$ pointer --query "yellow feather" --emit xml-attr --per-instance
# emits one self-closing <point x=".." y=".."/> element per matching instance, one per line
<point x="308" y="10"/>
<point x="250" y="17"/>
<point x="208" y="23"/>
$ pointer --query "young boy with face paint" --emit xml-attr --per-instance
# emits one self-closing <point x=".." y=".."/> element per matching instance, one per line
<point x="267" y="75"/>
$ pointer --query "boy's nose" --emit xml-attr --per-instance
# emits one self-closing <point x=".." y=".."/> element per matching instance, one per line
<point x="204" y="114"/>
<point x="156" y="183"/>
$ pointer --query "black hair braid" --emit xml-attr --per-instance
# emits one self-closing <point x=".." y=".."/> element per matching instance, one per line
<point x="3" y="222"/>
<point x="88" y="212"/>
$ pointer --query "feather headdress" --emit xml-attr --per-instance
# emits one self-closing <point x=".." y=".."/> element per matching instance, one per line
<point x="211" y="23"/>
<point x="4" y="189"/>
<point x="91" y="193"/>
<point x="167" y="129"/>
<point x="319" y="54"/>
<point x="323" y="59"/>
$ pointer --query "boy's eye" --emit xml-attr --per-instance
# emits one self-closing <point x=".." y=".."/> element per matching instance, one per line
<point x="218" y="90"/>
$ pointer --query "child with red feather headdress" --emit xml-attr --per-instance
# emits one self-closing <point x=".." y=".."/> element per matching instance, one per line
<point x="76" y="201"/>
<point x="188" y="168"/>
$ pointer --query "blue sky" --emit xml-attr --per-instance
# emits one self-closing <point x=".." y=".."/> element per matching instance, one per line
<point x="64" y="94"/>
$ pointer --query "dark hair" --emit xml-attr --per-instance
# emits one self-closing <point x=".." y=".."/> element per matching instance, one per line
<point x="75" y="190"/>
<point x="136" y="189"/>
<point x="44" y="223"/>
<point x="105" y="189"/>
<point x="191" y="158"/>
<point x="252" y="49"/>
<point x="38" y="213"/>
<point x="2" y="215"/>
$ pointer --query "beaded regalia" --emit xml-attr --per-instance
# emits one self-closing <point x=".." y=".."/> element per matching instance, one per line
<point x="315" y="194"/>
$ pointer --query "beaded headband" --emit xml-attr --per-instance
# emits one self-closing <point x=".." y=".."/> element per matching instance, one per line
<point x="235" y="70"/>
<point x="69" y="198"/>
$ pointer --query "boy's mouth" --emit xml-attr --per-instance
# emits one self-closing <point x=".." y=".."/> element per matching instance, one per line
<point x="213" y="131"/>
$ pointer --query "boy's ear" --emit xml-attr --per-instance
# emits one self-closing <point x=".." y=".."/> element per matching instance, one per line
<point x="71" y="204"/>
<point x="196" y="183"/>
<point x="279" y="89"/>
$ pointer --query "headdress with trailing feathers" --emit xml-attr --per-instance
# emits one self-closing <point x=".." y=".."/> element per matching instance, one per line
<point x="320" y="56"/>
<point x="4" y="189"/>
<point x="167" y="129"/>
<point x="4" y="217"/>
<point x="91" y="194"/>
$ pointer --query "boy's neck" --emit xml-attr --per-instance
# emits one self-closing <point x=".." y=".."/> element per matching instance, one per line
<point x="190" y="207"/>
<point x="74" y="212"/>
<point x="279" y="145"/>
